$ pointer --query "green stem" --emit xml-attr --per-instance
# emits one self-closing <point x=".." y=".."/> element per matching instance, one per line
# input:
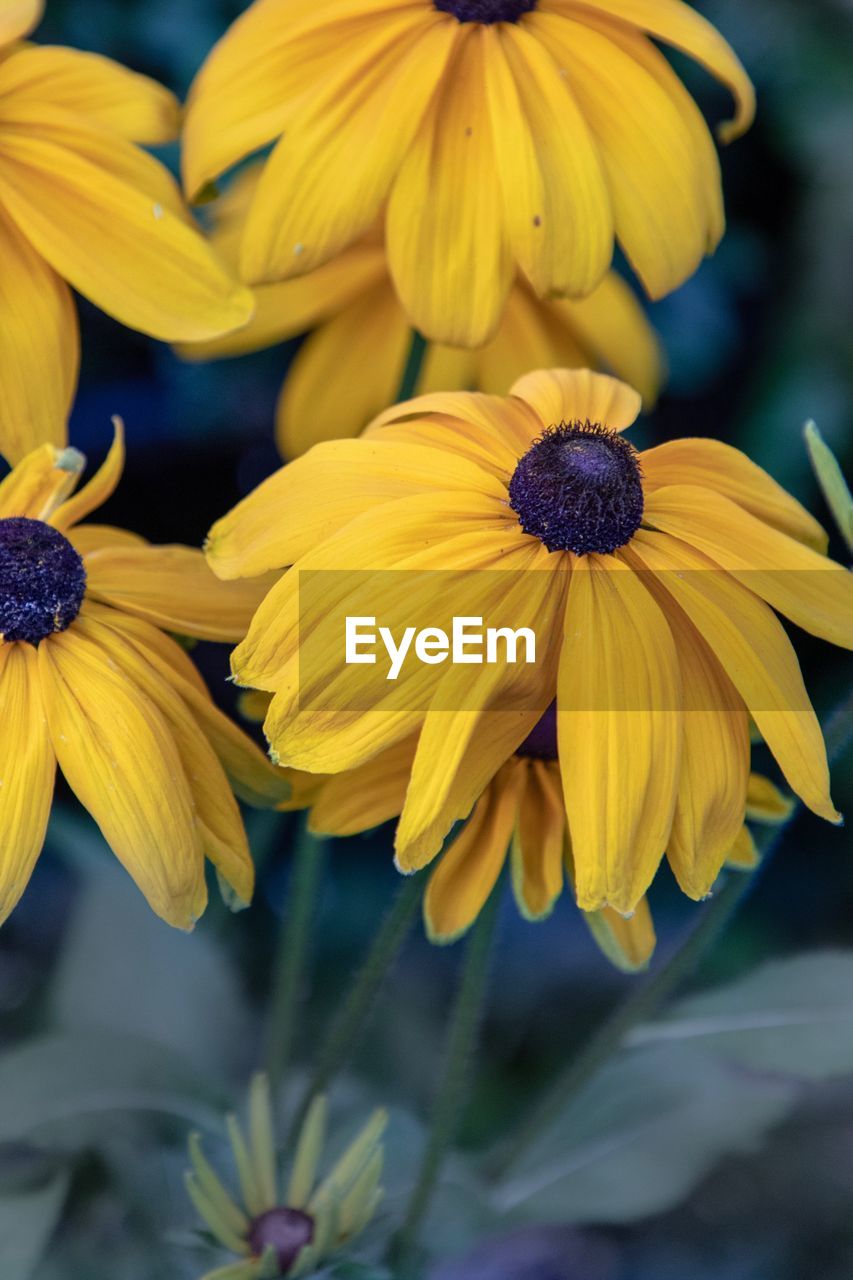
<point x="350" y="1018"/>
<point x="453" y="1089"/>
<point x="414" y="364"/>
<point x="289" y="969"/>
<point x="651" y="995"/>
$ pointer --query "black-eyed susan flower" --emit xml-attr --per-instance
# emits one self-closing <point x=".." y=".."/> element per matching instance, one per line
<point x="279" y="1228"/>
<point x="651" y="578"/>
<point x="350" y="368"/>
<point x="91" y="682"/>
<point x="81" y="204"/>
<point x="496" y="137"/>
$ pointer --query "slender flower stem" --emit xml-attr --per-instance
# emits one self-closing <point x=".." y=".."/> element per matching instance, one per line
<point x="351" y="1016"/>
<point x="649" y="997"/>
<point x="452" y="1091"/>
<point x="288" y="974"/>
<point x="414" y="364"/>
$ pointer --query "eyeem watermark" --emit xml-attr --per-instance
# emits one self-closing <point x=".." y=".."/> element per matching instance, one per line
<point x="468" y="644"/>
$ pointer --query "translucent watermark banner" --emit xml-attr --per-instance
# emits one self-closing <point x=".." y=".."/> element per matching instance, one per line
<point x="404" y="641"/>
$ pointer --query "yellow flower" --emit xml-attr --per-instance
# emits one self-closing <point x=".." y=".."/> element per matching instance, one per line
<point x="351" y="368"/>
<point x="649" y="579"/>
<point x="295" y="1231"/>
<point x="82" y="205"/>
<point x="89" y="681"/>
<point x="498" y="136"/>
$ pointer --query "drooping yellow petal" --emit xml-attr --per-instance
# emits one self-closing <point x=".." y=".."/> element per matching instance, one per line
<point x="530" y="336"/>
<point x="120" y="759"/>
<point x="40" y="482"/>
<point x="364" y="797"/>
<point x="40" y="347"/>
<point x="647" y="151"/>
<point x="556" y="202"/>
<point x="309" y="499"/>
<point x="222" y="833"/>
<point x="679" y="25"/>
<point x="468" y="870"/>
<point x="628" y="942"/>
<point x="577" y="395"/>
<point x="325" y="182"/>
<point x="27" y="767"/>
<point x="618" y="732"/>
<point x="120" y="240"/>
<point x="714" y="758"/>
<point x="448" y="247"/>
<point x="743" y="855"/>
<point x="18" y="17"/>
<point x="765" y="802"/>
<point x="537" y="846"/>
<point x="717" y="466"/>
<point x="814" y="592"/>
<point x="344" y="373"/>
<point x="174" y="588"/>
<point x="97" y="490"/>
<point x="252" y="776"/>
<point x="751" y="645"/>
<point x="103" y="91"/>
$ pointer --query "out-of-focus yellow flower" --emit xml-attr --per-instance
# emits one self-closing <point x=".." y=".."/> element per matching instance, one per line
<point x="82" y="205"/>
<point x="286" y="1229"/>
<point x="498" y="137"/>
<point x="89" y="681"/>
<point x="650" y="580"/>
<point x="349" y="370"/>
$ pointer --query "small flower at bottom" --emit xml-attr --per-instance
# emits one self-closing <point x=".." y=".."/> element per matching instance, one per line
<point x="286" y="1229"/>
<point x="90" y="681"/>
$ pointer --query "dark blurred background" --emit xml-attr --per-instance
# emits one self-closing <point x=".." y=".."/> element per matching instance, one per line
<point x="760" y="340"/>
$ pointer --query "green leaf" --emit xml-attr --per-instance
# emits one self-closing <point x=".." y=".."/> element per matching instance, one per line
<point x="831" y="480"/>
<point x="641" y="1136"/>
<point x="27" y="1222"/>
<point x="792" y="1017"/>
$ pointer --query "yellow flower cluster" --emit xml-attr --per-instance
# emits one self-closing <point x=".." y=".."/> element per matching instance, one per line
<point x="443" y="187"/>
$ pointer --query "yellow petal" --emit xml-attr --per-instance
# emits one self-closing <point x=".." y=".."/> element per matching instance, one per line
<point x="119" y="240"/>
<point x="814" y="592"/>
<point x="460" y="885"/>
<point x="556" y="202"/>
<point x="492" y="431"/>
<point x="448" y="247"/>
<point x="40" y="350"/>
<point x="326" y="180"/>
<point x="751" y="644"/>
<point x="627" y="942"/>
<point x="727" y="471"/>
<point x="40" y="482"/>
<point x="364" y="797"/>
<point x="103" y="91"/>
<point x="618" y="732"/>
<point x="174" y="588"/>
<point x="648" y="152"/>
<point x="27" y="767"/>
<point x="120" y="759"/>
<point x="577" y="395"/>
<point x="18" y="17"/>
<point x="537" y="846"/>
<point x="253" y="778"/>
<point x="530" y="336"/>
<point x="765" y="802"/>
<point x="679" y="25"/>
<point x="313" y="497"/>
<point x="743" y="855"/>
<point x="97" y="490"/>
<point x="345" y="373"/>
<point x="88" y="538"/>
<point x="222" y="833"/>
<point x="714" y="759"/>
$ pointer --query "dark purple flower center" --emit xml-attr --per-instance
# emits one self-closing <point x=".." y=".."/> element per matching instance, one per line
<point x="487" y="11"/>
<point x="287" y="1231"/>
<point x="541" y="741"/>
<point x="579" y="488"/>
<point x="42" y="580"/>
